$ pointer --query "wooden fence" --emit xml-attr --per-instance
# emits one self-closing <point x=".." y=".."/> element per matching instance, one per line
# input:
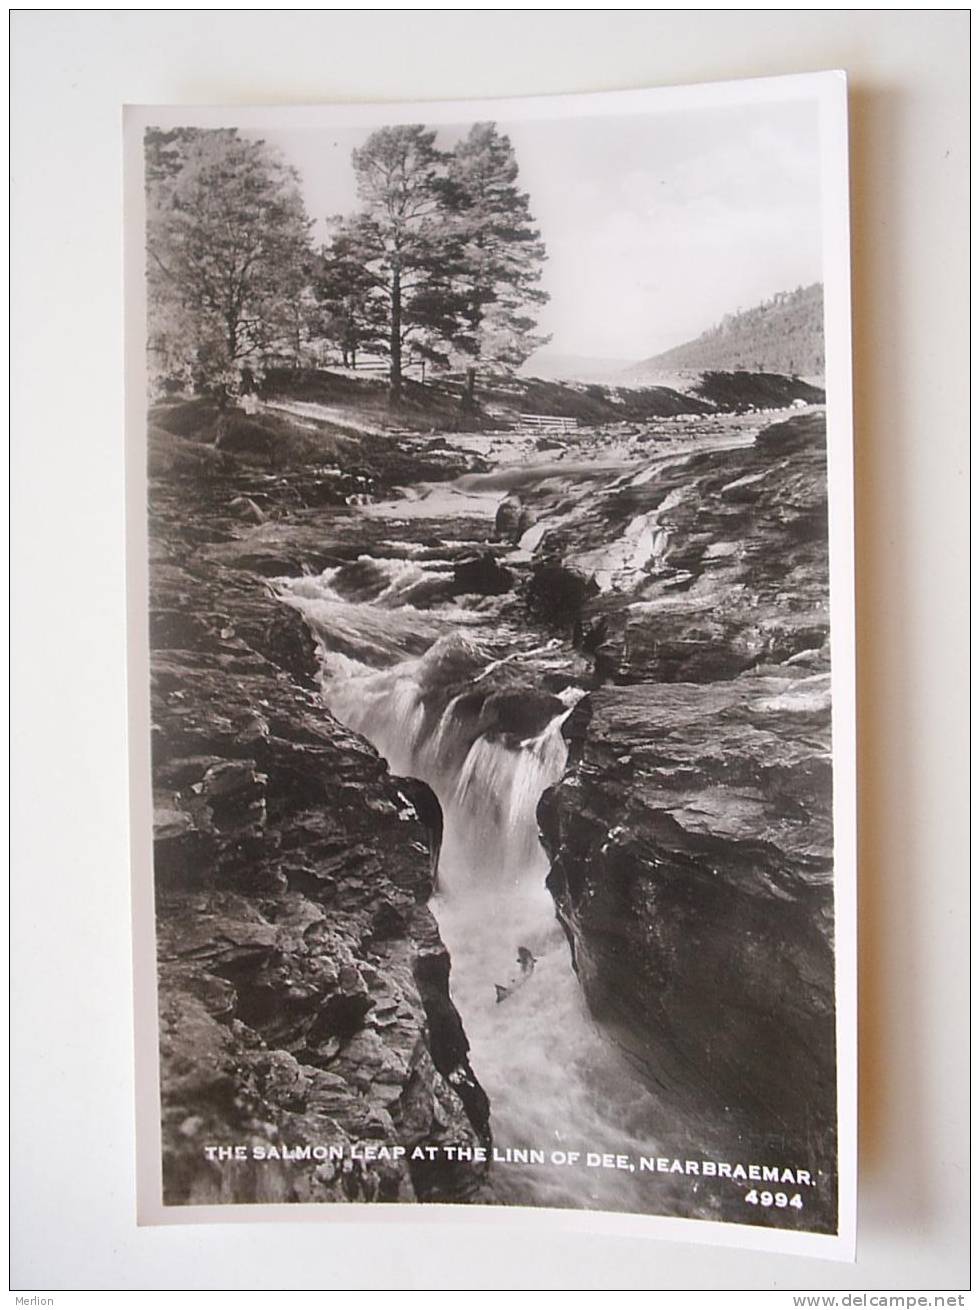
<point x="411" y="368"/>
<point x="542" y="423"/>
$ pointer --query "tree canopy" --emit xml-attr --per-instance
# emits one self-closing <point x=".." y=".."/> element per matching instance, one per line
<point x="441" y="259"/>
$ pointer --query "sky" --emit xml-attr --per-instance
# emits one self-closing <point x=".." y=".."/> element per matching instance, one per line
<point x="656" y="226"/>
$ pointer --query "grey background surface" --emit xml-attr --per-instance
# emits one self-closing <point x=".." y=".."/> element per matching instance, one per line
<point x="73" y="1184"/>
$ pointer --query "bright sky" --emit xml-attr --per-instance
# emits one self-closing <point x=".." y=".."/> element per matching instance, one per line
<point x="655" y="226"/>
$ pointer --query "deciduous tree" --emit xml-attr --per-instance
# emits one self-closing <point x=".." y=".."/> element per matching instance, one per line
<point x="228" y="244"/>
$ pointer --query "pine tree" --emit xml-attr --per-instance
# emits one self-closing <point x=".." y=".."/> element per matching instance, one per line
<point x="348" y="304"/>
<point x="404" y="245"/>
<point x="501" y="254"/>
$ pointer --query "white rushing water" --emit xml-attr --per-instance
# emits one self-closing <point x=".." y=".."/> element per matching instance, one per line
<point x="554" y="1082"/>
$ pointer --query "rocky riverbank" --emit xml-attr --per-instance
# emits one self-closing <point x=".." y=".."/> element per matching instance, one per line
<point x="303" y="984"/>
<point x="691" y="835"/>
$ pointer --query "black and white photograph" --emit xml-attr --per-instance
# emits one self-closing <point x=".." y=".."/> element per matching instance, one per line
<point x="497" y="662"/>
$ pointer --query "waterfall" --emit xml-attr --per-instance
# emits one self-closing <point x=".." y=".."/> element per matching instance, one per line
<point x="419" y="685"/>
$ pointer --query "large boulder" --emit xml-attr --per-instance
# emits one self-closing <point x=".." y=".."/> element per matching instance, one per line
<point x="556" y="595"/>
<point x="483" y="575"/>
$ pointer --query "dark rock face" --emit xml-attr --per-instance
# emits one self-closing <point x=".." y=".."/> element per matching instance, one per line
<point x="556" y="595"/>
<point x="482" y="575"/>
<point x="691" y="837"/>
<point x="692" y="866"/>
<point x="303" y="985"/>
<point x="517" y="713"/>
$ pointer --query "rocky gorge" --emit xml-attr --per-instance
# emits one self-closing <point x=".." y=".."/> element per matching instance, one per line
<point x="303" y="983"/>
<point x="421" y="706"/>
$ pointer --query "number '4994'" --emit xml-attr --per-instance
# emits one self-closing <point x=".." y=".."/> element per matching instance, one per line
<point x="779" y="1199"/>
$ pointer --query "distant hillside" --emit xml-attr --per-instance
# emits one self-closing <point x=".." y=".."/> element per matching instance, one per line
<point x="784" y="335"/>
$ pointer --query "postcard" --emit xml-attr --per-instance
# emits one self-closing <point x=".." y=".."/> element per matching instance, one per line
<point x="492" y="669"/>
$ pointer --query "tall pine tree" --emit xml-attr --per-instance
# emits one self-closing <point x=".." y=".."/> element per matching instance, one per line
<point x="402" y="241"/>
<point x="500" y="254"/>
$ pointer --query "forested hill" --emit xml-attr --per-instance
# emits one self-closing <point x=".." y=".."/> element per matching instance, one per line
<point x="783" y="335"/>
